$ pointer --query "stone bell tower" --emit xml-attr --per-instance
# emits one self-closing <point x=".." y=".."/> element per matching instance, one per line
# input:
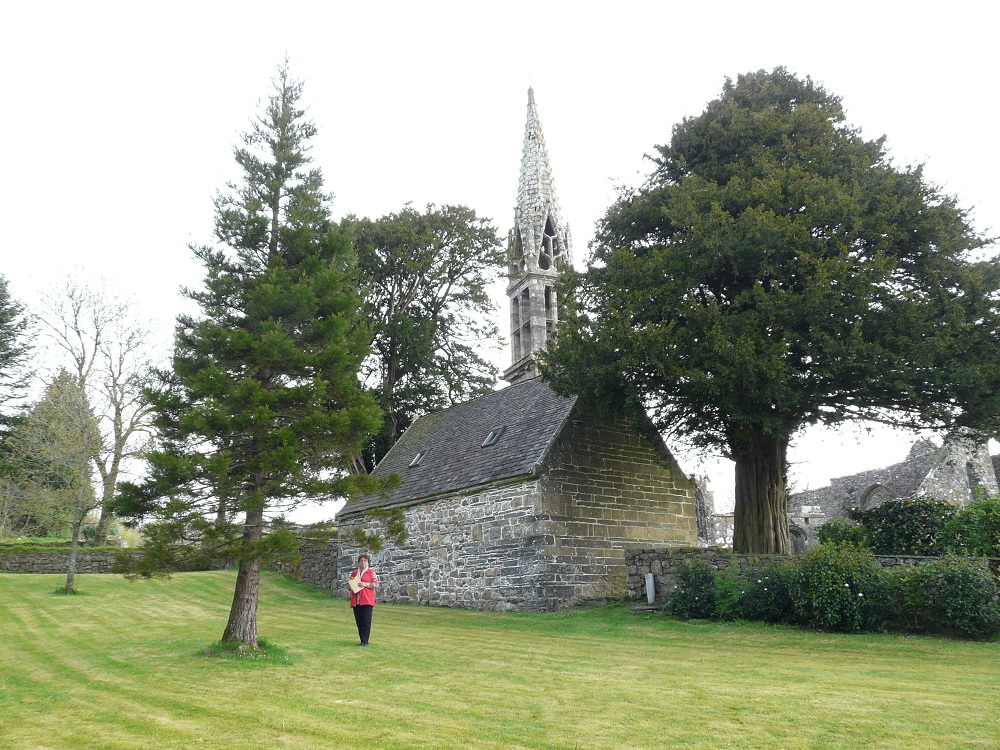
<point x="539" y="246"/>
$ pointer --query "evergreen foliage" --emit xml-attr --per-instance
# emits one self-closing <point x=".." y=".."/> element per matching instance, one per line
<point x="836" y="588"/>
<point x="15" y="348"/>
<point x="950" y="594"/>
<point x="975" y="529"/>
<point x="906" y="527"/>
<point x="263" y="408"/>
<point x="778" y="270"/>
<point x="841" y="531"/>
<point x="694" y="597"/>
<point x="841" y="587"/>
<point x="765" y="595"/>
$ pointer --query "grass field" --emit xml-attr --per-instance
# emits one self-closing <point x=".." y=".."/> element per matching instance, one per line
<point x="121" y="666"/>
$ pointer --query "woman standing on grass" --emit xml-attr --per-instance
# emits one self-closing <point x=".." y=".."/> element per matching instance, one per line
<point x="363" y="599"/>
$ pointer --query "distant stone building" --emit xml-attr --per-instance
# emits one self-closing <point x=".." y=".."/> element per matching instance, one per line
<point x="523" y="499"/>
<point x="954" y="472"/>
<point x="714" y="529"/>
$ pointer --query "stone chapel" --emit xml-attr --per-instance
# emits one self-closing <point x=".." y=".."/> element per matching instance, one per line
<point x="522" y="499"/>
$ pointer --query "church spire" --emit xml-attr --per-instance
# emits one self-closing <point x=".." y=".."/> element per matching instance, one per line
<point x="538" y="247"/>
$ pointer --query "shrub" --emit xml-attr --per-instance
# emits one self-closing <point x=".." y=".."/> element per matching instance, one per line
<point x="907" y="600"/>
<point x="766" y="595"/>
<point x="729" y="588"/>
<point x="906" y="527"/>
<point x="975" y="529"/>
<point x="840" y="531"/>
<point x="694" y="597"/>
<point x="951" y="594"/>
<point x="836" y="587"/>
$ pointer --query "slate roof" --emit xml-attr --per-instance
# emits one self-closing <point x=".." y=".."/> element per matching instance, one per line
<point x="531" y="414"/>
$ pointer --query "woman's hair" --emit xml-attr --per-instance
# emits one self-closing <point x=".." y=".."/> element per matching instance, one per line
<point x="364" y="556"/>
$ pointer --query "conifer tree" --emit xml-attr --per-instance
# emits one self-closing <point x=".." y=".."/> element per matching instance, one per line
<point x="262" y="409"/>
<point x="777" y="270"/>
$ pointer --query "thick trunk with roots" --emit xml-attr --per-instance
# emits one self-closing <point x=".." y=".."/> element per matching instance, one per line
<point x="761" y="517"/>
<point x="242" y="625"/>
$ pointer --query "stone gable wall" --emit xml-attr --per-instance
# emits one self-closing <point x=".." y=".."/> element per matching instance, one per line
<point x="663" y="563"/>
<point x="481" y="551"/>
<point x="606" y="489"/>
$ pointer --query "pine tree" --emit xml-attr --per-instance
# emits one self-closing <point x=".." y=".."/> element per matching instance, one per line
<point x="262" y="409"/>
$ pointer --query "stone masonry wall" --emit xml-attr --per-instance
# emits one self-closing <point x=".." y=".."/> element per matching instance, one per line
<point x="608" y="488"/>
<point x="663" y="563"/>
<point x="318" y="566"/>
<point x="55" y="562"/>
<point x="480" y="551"/>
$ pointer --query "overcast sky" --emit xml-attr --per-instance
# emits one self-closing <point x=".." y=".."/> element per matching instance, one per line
<point x="119" y="119"/>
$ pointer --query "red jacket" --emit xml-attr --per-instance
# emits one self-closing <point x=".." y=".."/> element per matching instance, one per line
<point x="365" y="596"/>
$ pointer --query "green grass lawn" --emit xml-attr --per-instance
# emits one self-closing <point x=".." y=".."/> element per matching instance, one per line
<point x="122" y="666"/>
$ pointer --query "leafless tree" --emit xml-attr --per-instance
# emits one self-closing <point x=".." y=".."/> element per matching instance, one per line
<point x="107" y="347"/>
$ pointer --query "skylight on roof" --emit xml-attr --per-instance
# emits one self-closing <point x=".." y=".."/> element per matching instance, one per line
<point x="418" y="458"/>
<point x="494" y="435"/>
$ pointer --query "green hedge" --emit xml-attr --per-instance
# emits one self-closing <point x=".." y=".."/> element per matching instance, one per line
<point x="841" y="587"/>
<point x="923" y="527"/>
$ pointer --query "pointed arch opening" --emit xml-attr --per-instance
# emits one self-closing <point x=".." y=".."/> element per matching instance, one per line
<point x="549" y="243"/>
<point x="516" y="252"/>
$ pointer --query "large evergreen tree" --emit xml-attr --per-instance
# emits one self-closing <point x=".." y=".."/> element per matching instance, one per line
<point x="15" y="347"/>
<point x="263" y="408"/>
<point x="778" y="270"/>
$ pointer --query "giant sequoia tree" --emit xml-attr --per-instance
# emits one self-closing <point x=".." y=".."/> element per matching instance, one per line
<point x="263" y="408"/>
<point x="778" y="270"/>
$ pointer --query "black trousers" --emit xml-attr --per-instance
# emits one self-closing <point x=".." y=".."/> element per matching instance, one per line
<point x="363" y="617"/>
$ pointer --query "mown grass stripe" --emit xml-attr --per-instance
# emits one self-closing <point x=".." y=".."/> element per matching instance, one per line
<point x="120" y="667"/>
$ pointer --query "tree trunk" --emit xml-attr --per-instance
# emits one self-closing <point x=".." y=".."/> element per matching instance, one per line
<point x="761" y="518"/>
<point x="108" y="494"/>
<point x="71" y="573"/>
<point x="242" y="625"/>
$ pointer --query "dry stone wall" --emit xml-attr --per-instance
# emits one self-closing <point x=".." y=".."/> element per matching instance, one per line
<point x="55" y="562"/>
<point x="318" y="565"/>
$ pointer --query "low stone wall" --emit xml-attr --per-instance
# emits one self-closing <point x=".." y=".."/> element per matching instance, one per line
<point x="318" y="566"/>
<point x="55" y="562"/>
<point x="662" y="563"/>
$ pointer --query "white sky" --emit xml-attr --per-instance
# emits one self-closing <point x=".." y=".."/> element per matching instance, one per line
<point x="120" y="118"/>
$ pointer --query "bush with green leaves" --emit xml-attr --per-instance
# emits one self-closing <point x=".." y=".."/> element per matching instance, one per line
<point x="694" y="596"/>
<point x="953" y="594"/>
<point x="906" y="527"/>
<point x="842" y="531"/>
<point x="836" y="587"/>
<point x="975" y="529"/>
<point x="766" y="596"/>
<point x="729" y="589"/>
